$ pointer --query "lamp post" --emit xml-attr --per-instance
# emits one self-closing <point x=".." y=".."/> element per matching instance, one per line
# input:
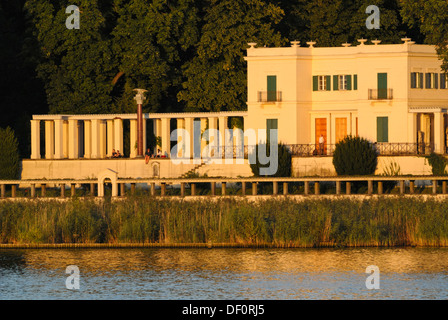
<point x="139" y="98"/>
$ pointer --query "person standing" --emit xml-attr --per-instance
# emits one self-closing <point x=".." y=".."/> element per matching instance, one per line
<point x="321" y="144"/>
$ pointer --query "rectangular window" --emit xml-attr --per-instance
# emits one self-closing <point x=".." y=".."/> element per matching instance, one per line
<point x="355" y="82"/>
<point x="271" y="124"/>
<point x="342" y="82"/>
<point x="431" y="80"/>
<point x="272" y="88"/>
<point x="321" y="83"/>
<point x="416" y="80"/>
<point x="443" y="81"/>
<point x="413" y="80"/>
<point x="382" y="129"/>
<point x="382" y="85"/>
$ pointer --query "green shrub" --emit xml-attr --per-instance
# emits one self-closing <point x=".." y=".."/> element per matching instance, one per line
<point x="284" y="161"/>
<point x="9" y="159"/>
<point x="438" y="164"/>
<point x="355" y="156"/>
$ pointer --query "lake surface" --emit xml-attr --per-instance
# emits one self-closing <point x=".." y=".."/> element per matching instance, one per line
<point x="211" y="274"/>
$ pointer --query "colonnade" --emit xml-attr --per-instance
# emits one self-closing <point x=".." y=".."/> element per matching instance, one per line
<point x="96" y="136"/>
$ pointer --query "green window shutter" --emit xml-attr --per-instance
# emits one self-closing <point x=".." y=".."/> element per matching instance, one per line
<point x="349" y="82"/>
<point x="382" y="129"/>
<point x="315" y="83"/>
<point x="355" y="82"/>
<point x="335" y="83"/>
<point x="382" y="85"/>
<point x="328" y="83"/>
<point x="420" y="75"/>
<point x="413" y="80"/>
<point x="442" y="81"/>
<point x="436" y="80"/>
<point x="272" y="88"/>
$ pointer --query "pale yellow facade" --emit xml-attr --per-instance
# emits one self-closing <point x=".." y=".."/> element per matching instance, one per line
<point x="373" y="81"/>
<point x="393" y="94"/>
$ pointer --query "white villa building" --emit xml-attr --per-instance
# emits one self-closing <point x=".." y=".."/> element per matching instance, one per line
<point x="393" y="94"/>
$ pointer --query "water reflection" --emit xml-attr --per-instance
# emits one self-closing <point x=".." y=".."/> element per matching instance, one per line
<point x="406" y="273"/>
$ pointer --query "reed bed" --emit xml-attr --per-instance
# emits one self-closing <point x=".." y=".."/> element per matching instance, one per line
<point x="280" y="222"/>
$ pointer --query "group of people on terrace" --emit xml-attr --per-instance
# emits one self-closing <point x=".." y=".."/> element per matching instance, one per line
<point x="149" y="155"/>
<point x="116" y="154"/>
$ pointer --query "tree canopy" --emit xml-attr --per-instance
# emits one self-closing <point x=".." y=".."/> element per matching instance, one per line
<point x="431" y="18"/>
<point x="188" y="54"/>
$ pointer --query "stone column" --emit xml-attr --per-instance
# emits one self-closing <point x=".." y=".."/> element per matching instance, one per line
<point x="203" y="128"/>
<point x="102" y="135"/>
<point x="95" y="138"/>
<point x="439" y="134"/>
<point x="222" y="131"/>
<point x="35" y="139"/>
<point x="189" y="127"/>
<point x="49" y="139"/>
<point x="65" y="139"/>
<point x="73" y="139"/>
<point x="110" y="137"/>
<point x="181" y="146"/>
<point x="118" y="135"/>
<point x="166" y="136"/>
<point x="213" y="136"/>
<point x="144" y="136"/>
<point x="59" y="139"/>
<point x="133" y="139"/>
<point x="87" y="139"/>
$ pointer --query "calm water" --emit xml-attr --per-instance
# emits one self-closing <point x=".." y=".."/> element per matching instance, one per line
<point x="224" y="274"/>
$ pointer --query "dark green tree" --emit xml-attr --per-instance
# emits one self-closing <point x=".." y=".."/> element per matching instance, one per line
<point x="9" y="161"/>
<point x="77" y="65"/>
<point x="21" y="93"/>
<point x="355" y="156"/>
<point x="152" y="40"/>
<point x="283" y="157"/>
<point x="331" y="23"/>
<point x="216" y="76"/>
<point x="431" y="17"/>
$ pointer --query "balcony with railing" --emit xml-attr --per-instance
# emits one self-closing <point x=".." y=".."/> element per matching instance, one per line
<point x="383" y="149"/>
<point x="381" y="94"/>
<point x="269" y="96"/>
<point x="310" y="150"/>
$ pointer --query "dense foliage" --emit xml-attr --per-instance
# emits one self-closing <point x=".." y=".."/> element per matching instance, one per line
<point x="282" y="156"/>
<point x="307" y="223"/>
<point x="355" y="156"/>
<point x="9" y="159"/>
<point x="189" y="54"/>
<point x="438" y="164"/>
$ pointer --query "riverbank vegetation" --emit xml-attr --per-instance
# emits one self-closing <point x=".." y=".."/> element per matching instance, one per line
<point x="339" y="222"/>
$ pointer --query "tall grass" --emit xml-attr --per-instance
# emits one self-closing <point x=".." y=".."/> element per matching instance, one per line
<point x="277" y="222"/>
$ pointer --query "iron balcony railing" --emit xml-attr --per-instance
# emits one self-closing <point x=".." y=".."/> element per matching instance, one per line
<point x="403" y="149"/>
<point x="309" y="150"/>
<point x="381" y="94"/>
<point x="269" y="96"/>
<point x="383" y="148"/>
